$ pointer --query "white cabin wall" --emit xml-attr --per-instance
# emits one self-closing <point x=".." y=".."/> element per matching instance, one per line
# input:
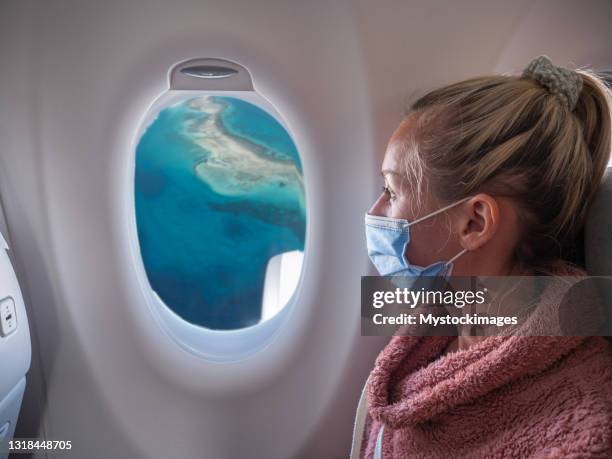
<point x="415" y="46"/>
<point x="570" y="33"/>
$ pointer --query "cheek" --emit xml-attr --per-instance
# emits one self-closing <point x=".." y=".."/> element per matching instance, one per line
<point x="400" y="208"/>
<point x="428" y="243"/>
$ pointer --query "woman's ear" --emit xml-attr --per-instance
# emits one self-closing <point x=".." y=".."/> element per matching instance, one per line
<point x="478" y="221"/>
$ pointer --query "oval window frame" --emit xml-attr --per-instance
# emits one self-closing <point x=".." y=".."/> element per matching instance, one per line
<point x="209" y="344"/>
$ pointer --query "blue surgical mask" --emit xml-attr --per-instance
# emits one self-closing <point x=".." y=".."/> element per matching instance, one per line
<point x="387" y="240"/>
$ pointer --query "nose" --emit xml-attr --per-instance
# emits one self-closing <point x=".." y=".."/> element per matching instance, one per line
<point x="378" y="208"/>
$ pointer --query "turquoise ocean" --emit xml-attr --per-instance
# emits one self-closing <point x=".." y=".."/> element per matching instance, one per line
<point x="205" y="253"/>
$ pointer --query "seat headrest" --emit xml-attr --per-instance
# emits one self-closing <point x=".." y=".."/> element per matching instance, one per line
<point x="598" y="231"/>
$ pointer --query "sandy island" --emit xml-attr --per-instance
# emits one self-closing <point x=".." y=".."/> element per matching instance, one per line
<point x="236" y="166"/>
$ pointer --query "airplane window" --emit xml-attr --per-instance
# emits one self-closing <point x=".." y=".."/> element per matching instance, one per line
<point x="220" y="211"/>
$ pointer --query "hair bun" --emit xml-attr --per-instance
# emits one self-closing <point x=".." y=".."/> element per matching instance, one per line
<point x="566" y="84"/>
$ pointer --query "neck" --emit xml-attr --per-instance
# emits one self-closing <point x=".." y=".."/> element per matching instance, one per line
<point x="462" y="342"/>
<point x="512" y="304"/>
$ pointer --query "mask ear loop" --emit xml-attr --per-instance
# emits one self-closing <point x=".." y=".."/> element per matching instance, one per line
<point x="456" y="256"/>
<point x="436" y="212"/>
<point x="447" y="270"/>
<point x="448" y="266"/>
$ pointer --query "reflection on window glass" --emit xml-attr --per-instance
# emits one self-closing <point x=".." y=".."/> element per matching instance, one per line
<point x="219" y="192"/>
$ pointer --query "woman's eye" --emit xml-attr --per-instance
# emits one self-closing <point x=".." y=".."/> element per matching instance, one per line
<point x="387" y="191"/>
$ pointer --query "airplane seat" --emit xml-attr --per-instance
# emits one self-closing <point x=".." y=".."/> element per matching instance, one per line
<point x="15" y="348"/>
<point x="598" y="242"/>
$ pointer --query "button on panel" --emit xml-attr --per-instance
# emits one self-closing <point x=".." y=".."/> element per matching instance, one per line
<point x="8" y="318"/>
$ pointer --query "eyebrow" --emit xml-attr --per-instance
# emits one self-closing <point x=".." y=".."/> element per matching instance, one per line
<point x="392" y="173"/>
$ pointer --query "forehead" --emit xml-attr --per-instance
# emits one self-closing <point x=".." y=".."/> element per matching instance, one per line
<point x="398" y="147"/>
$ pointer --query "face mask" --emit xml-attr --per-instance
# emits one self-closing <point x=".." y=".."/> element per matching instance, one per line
<point x="387" y="240"/>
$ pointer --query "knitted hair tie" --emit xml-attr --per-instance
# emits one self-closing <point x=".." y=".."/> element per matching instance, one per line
<point x="564" y="83"/>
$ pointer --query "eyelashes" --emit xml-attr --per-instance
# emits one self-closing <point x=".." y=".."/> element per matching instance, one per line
<point x="385" y="189"/>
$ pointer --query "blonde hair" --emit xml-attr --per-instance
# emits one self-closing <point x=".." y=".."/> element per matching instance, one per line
<point x="509" y="136"/>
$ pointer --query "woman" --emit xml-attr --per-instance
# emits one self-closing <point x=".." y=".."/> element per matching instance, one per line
<point x="492" y="175"/>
